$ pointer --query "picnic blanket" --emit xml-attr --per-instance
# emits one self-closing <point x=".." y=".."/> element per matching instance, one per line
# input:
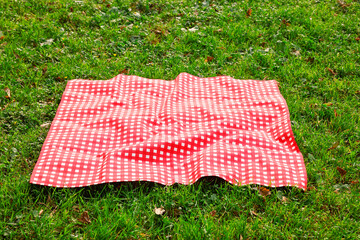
<point x="131" y="128"/>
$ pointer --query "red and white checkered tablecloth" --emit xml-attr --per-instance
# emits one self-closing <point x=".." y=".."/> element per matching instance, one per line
<point x="131" y="128"/>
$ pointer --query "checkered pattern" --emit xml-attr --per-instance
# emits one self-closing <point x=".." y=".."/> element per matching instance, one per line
<point x="130" y="128"/>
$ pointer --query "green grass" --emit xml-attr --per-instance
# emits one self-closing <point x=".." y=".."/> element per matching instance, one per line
<point x="45" y="43"/>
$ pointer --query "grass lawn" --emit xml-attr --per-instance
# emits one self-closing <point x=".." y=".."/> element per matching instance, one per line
<point x="311" y="47"/>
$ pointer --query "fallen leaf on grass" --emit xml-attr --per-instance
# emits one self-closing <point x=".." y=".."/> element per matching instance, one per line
<point x="194" y="29"/>
<point x="209" y="59"/>
<point x="124" y="71"/>
<point x="310" y="59"/>
<point x="332" y="71"/>
<point x="354" y="182"/>
<point x="52" y="213"/>
<point x="296" y="53"/>
<point x="311" y="188"/>
<point x="45" y="125"/>
<point x="7" y="104"/>
<point x="213" y="213"/>
<point x="76" y="208"/>
<point x="47" y="42"/>
<point x="335" y="144"/>
<point x="343" y="4"/>
<point x="255" y="214"/>
<point x="284" y="199"/>
<point x="286" y="23"/>
<point x="16" y="55"/>
<point x="41" y="212"/>
<point x="159" y="211"/>
<point x="357" y="39"/>
<point x="248" y="12"/>
<point x="1" y="38"/>
<point x="328" y="104"/>
<point x="44" y="70"/>
<point x="8" y="92"/>
<point x="341" y="171"/>
<point x="84" y="218"/>
<point x="264" y="192"/>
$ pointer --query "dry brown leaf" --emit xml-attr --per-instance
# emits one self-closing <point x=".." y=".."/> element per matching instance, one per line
<point x="1" y="38"/>
<point x="209" y="59"/>
<point x="76" y="208"/>
<point x="44" y="70"/>
<point x="52" y="213"/>
<point x="255" y="214"/>
<point x="285" y="22"/>
<point x="357" y="39"/>
<point x="341" y="171"/>
<point x="16" y="55"/>
<point x="213" y="213"/>
<point x="8" y="92"/>
<point x="343" y="4"/>
<point x="335" y="144"/>
<point x="264" y="191"/>
<point x="41" y="212"/>
<point x="284" y="199"/>
<point x="311" y="188"/>
<point x="310" y="59"/>
<point x="158" y="31"/>
<point x="84" y="218"/>
<point x="124" y="71"/>
<point x="354" y="182"/>
<point x="332" y="71"/>
<point x="248" y="12"/>
<point x="159" y="211"/>
<point x="296" y="53"/>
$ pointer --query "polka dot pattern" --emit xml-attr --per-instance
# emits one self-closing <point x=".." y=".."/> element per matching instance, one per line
<point x="130" y="128"/>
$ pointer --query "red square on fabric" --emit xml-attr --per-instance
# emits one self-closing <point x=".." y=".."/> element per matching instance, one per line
<point x="131" y="128"/>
